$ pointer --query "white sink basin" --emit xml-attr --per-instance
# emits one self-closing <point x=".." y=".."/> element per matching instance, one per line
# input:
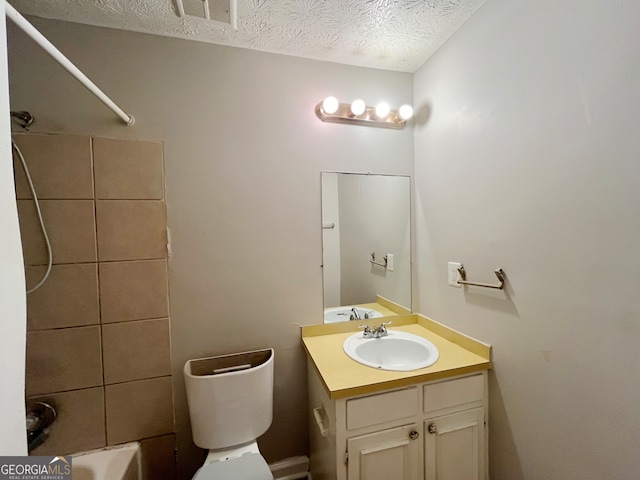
<point x="398" y="351"/>
<point x="342" y="314"/>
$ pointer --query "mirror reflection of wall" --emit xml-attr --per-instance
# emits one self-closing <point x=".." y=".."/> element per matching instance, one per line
<point x="364" y="214"/>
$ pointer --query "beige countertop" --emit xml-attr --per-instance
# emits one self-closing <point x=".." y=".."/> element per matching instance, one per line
<point x="344" y="377"/>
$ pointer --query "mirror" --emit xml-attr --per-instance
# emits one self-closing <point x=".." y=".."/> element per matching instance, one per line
<point x="366" y="245"/>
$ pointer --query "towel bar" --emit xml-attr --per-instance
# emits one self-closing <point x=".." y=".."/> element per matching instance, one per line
<point x="499" y="273"/>
<point x="373" y="260"/>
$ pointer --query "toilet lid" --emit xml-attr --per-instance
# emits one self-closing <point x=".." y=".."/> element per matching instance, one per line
<point x="250" y="466"/>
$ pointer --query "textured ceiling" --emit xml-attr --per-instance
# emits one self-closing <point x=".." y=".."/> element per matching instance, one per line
<point x="388" y="34"/>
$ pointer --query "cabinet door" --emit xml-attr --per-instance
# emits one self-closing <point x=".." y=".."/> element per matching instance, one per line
<point x="455" y="447"/>
<point x="393" y="454"/>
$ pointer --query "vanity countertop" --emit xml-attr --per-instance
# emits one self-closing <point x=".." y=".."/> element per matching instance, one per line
<point x="386" y="312"/>
<point x="344" y="377"/>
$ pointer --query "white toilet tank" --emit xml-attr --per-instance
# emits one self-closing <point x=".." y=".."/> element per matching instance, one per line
<point x="230" y="398"/>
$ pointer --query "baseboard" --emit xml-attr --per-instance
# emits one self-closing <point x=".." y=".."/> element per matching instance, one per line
<point x="292" y="468"/>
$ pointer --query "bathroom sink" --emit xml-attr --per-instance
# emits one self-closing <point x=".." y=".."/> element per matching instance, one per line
<point x="341" y="314"/>
<point x="398" y="351"/>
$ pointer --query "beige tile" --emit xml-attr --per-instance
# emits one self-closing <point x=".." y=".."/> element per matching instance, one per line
<point x="70" y="225"/>
<point x="65" y="359"/>
<point x="59" y="165"/>
<point x="136" y="350"/>
<point x="131" y="230"/>
<point x="79" y="424"/>
<point x="128" y="169"/>
<point x="67" y="298"/>
<point x="140" y="409"/>
<point x="158" y="458"/>
<point x="134" y="290"/>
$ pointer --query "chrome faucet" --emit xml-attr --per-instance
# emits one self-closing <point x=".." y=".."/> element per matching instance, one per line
<point x="355" y="315"/>
<point x="377" y="332"/>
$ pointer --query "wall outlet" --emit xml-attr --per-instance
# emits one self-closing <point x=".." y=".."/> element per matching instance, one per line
<point x="454" y="274"/>
<point x="390" y="262"/>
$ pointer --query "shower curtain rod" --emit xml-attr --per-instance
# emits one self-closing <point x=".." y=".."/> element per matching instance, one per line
<point x="57" y="55"/>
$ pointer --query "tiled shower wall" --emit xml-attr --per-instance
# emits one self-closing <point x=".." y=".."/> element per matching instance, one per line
<point x="98" y="344"/>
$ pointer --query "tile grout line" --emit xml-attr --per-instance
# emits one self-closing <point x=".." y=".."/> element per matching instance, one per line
<point x="58" y="392"/>
<point x="95" y="226"/>
<point x="98" y="262"/>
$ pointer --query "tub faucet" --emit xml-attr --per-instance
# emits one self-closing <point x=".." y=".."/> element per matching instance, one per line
<point x="354" y="314"/>
<point x="39" y="416"/>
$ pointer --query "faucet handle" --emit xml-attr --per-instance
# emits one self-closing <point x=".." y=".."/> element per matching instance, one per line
<point x="381" y="331"/>
<point x="367" y="331"/>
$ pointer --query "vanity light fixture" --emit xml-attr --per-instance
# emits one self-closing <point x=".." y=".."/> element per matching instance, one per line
<point x="358" y="113"/>
<point x="405" y="112"/>
<point x="330" y="105"/>
<point x="382" y="110"/>
<point x="357" y="107"/>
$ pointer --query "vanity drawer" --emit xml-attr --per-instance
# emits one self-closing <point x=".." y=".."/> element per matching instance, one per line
<point x="452" y="393"/>
<point x="382" y="408"/>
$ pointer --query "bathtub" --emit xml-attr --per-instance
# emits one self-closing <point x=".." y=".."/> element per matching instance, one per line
<point x="121" y="462"/>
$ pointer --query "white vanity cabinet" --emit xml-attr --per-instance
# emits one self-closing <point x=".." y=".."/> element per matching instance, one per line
<point x="426" y="431"/>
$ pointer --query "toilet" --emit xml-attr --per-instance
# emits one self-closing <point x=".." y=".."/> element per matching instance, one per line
<point x="230" y="400"/>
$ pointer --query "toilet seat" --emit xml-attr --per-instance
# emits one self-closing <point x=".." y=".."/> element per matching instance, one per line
<point x="250" y="466"/>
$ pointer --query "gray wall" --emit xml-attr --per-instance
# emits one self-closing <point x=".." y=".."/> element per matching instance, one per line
<point x="528" y="160"/>
<point x="243" y="155"/>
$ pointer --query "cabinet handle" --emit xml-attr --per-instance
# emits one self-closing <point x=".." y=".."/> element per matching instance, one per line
<point x="433" y="429"/>
<point x="413" y="435"/>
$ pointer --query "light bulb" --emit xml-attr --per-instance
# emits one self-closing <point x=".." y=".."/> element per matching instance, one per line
<point x="358" y="106"/>
<point x="405" y="112"/>
<point x="382" y="110"/>
<point x="330" y="105"/>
